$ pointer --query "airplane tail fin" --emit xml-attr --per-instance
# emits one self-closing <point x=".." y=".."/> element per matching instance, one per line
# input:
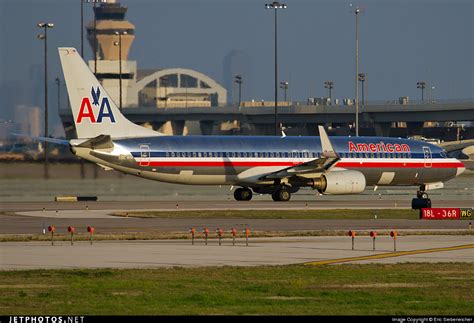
<point x="93" y="110"/>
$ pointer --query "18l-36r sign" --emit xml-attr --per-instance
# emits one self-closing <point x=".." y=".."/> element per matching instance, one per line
<point x="445" y="213"/>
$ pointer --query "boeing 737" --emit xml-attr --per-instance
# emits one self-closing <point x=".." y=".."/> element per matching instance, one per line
<point x="273" y="165"/>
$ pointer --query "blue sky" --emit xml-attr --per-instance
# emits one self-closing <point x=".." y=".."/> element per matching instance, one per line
<point x="401" y="42"/>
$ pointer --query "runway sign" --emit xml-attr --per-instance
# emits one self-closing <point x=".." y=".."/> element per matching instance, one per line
<point x="445" y="213"/>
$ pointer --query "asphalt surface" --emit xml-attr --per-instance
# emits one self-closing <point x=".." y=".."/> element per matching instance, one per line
<point x="33" y="222"/>
<point x="273" y="251"/>
<point x="222" y="204"/>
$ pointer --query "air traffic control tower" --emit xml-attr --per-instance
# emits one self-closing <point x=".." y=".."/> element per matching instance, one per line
<point x="110" y="21"/>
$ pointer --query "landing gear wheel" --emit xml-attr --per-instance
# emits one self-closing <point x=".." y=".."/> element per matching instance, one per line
<point x="281" y="195"/>
<point x="422" y="200"/>
<point x="420" y="203"/>
<point x="243" y="194"/>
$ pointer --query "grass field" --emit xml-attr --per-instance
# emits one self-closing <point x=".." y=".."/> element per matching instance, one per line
<point x="337" y="214"/>
<point x="403" y="289"/>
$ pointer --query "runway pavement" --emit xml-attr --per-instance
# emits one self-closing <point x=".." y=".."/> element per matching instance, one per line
<point x="22" y="224"/>
<point x="263" y="251"/>
<point x="222" y="204"/>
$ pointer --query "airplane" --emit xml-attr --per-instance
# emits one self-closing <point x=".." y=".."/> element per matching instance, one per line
<point x="279" y="166"/>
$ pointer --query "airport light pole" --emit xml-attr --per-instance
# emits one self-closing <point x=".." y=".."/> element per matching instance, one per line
<point x="356" y="12"/>
<point x="362" y="80"/>
<point x="44" y="37"/>
<point x="164" y="79"/>
<point x="119" y="44"/>
<point x="58" y="83"/>
<point x="82" y="28"/>
<point x="275" y="5"/>
<point x="329" y="85"/>
<point x="421" y="85"/>
<point x="238" y="80"/>
<point x="94" y="2"/>
<point x="284" y="87"/>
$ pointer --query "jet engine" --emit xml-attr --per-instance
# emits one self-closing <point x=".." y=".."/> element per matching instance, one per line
<point x="340" y="182"/>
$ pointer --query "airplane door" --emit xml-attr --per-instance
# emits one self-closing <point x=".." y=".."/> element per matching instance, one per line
<point x="144" y="155"/>
<point x="427" y="157"/>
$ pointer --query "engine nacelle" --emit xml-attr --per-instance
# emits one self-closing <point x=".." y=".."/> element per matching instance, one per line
<point x="341" y="182"/>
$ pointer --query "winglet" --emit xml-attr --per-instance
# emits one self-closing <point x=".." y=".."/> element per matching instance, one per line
<point x="327" y="148"/>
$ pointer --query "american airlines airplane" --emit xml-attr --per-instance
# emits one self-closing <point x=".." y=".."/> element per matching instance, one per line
<point x="278" y="166"/>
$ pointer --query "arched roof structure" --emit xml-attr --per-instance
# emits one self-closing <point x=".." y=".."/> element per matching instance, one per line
<point x="211" y="88"/>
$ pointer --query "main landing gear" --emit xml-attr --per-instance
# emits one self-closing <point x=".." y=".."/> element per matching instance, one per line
<point x="281" y="195"/>
<point x="243" y="194"/>
<point x="422" y="200"/>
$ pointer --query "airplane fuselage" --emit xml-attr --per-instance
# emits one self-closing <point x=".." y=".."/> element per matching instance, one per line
<point x="241" y="160"/>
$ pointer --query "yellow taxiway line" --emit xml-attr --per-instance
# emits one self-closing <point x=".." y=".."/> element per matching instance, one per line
<point x="388" y="255"/>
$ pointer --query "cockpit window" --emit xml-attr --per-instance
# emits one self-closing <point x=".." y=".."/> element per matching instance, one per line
<point x="443" y="154"/>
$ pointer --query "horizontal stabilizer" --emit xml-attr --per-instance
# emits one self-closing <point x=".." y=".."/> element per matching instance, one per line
<point x="99" y="142"/>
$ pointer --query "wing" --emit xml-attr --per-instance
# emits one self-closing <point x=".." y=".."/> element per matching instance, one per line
<point x="313" y="167"/>
<point x="46" y="139"/>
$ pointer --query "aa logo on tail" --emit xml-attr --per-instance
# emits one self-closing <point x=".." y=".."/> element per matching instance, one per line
<point x="86" y="111"/>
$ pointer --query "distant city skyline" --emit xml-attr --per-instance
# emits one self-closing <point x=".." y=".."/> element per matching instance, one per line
<point x="237" y="63"/>
<point x="401" y="43"/>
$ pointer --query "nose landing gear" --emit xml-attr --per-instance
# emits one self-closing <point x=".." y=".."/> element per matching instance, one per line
<point x="422" y="200"/>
